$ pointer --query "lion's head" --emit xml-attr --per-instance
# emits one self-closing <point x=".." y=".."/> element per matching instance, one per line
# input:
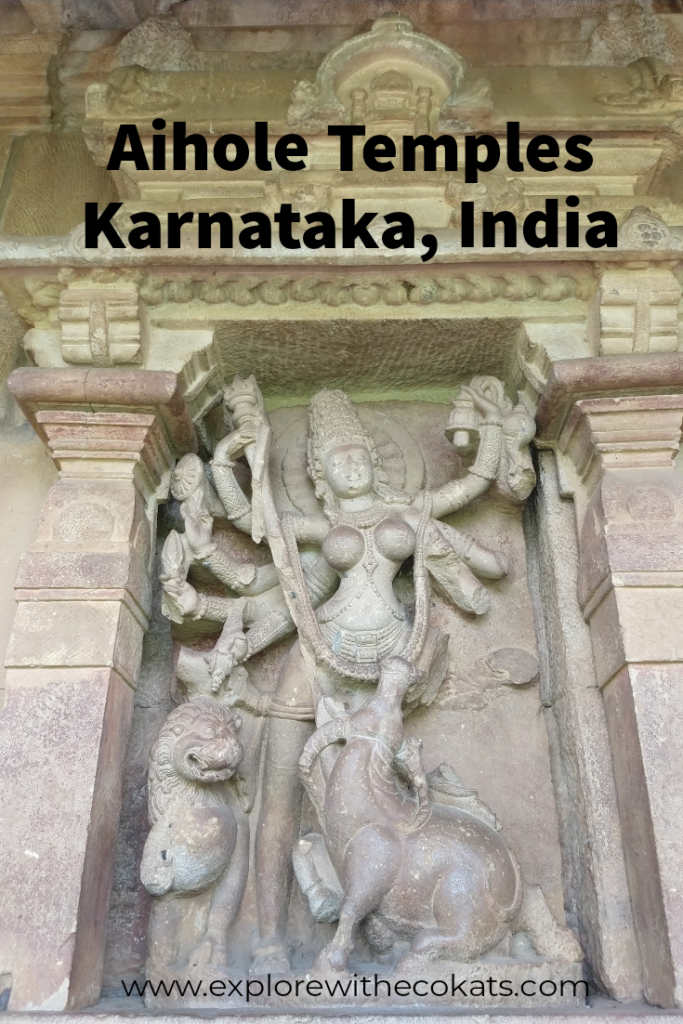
<point x="196" y="747"/>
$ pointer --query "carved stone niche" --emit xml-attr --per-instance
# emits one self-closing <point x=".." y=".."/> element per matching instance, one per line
<point x="393" y="79"/>
<point x="342" y="573"/>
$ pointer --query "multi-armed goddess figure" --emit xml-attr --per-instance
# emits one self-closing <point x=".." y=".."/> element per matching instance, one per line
<point x="340" y="595"/>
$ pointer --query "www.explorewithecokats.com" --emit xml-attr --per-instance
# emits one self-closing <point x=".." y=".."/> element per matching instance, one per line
<point x="348" y="988"/>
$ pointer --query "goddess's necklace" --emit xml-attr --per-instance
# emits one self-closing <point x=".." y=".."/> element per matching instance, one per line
<point x="363" y="519"/>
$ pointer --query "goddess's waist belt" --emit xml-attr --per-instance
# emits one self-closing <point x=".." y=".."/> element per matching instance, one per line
<point x="364" y="646"/>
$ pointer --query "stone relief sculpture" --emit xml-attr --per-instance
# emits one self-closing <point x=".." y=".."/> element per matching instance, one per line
<point x="363" y="659"/>
<point x="404" y="865"/>
<point x="199" y="838"/>
<point x="439" y="873"/>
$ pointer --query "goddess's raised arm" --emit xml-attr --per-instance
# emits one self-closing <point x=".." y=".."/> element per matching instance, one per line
<point x="245" y="404"/>
<point x="235" y="502"/>
<point x="457" y="493"/>
<point x="310" y="528"/>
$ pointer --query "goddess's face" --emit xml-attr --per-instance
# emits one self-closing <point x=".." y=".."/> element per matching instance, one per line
<point x="349" y="470"/>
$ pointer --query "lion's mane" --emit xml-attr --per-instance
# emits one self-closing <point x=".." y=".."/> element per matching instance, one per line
<point x="165" y="783"/>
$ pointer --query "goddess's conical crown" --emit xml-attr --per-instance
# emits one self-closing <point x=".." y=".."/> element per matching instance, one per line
<point x="333" y="420"/>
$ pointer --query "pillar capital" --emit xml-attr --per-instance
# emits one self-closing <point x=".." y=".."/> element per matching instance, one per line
<point x="620" y="433"/>
<point x="94" y="390"/>
<point x="103" y="424"/>
<point x="617" y="377"/>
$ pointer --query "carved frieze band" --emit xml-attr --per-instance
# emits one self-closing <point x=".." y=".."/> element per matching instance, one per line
<point x="362" y="291"/>
<point x="39" y="297"/>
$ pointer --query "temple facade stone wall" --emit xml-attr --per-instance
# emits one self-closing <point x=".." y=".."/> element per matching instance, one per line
<point x="341" y="591"/>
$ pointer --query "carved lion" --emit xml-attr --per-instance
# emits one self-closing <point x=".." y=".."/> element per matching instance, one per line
<point x="199" y="841"/>
<point x="193" y="827"/>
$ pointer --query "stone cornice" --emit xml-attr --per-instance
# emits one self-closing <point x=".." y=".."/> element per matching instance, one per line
<point x="68" y="251"/>
<point x="102" y="391"/>
<point x="571" y="380"/>
<point x="37" y="296"/>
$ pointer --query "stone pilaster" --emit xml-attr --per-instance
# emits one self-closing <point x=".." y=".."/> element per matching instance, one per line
<point x="83" y="592"/>
<point x="597" y="897"/>
<point x="616" y="456"/>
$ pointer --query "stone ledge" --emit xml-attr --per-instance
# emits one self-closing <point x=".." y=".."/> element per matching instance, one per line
<point x="99" y="390"/>
<point x="602" y="377"/>
<point x="459" y="980"/>
<point x="69" y="251"/>
<point x="648" y="1015"/>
